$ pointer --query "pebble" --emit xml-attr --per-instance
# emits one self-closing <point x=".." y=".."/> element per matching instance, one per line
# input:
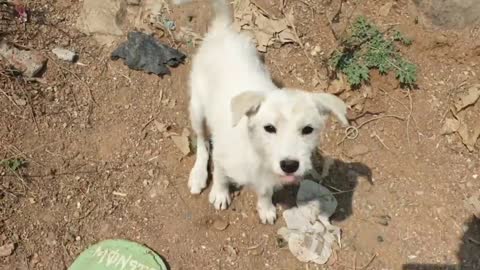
<point x="220" y="224"/>
<point x="7" y="250"/>
<point x="30" y="63"/>
<point x="64" y="54"/>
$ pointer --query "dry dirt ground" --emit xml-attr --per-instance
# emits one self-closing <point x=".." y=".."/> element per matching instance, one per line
<point x="103" y="170"/>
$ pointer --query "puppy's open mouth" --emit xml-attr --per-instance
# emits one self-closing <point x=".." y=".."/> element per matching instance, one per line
<point x="290" y="179"/>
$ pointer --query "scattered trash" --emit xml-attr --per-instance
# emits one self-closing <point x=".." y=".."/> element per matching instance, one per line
<point x="473" y="204"/>
<point x="7" y="250"/>
<point x="64" y="54"/>
<point x="21" y="10"/>
<point x="266" y="29"/>
<point x="117" y="254"/>
<point x="182" y="142"/>
<point x="143" y="52"/>
<point x="169" y="24"/>
<point x="29" y="63"/>
<point x="309" y="234"/>
<point x="469" y="98"/>
<point x="220" y="224"/>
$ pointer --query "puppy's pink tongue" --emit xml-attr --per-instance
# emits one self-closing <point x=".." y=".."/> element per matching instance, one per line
<point x="289" y="178"/>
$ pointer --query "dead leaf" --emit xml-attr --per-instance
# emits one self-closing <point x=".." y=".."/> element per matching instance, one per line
<point x="7" y="250"/>
<point x="469" y="138"/>
<point x="451" y="126"/>
<point x="469" y="98"/>
<point x="182" y="142"/>
<point x="266" y="29"/>
<point x="338" y="86"/>
<point x="385" y="9"/>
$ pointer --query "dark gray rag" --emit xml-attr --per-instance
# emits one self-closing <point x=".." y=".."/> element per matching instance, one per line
<point x="143" y="52"/>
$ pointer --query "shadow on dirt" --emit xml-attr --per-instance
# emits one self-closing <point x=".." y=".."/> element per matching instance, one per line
<point x="468" y="254"/>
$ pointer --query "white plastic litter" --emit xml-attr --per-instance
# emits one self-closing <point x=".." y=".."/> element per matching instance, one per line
<point x="309" y="234"/>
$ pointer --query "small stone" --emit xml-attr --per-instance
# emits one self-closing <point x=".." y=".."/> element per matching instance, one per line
<point x="232" y="252"/>
<point x="7" y="250"/>
<point x="440" y="40"/>
<point x="51" y="239"/>
<point x="29" y="63"/>
<point x="220" y="224"/>
<point x="316" y="50"/>
<point x="64" y="54"/>
<point x="20" y="102"/>
<point x="78" y="238"/>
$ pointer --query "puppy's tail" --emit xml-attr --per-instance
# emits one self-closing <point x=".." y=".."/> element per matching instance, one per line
<point x="223" y="12"/>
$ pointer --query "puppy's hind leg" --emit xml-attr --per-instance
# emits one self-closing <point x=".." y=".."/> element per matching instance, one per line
<point x="197" y="180"/>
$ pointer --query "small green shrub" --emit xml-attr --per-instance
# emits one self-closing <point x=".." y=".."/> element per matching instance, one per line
<point x="366" y="48"/>
<point x="13" y="164"/>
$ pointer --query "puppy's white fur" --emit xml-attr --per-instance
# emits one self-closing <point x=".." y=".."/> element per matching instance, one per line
<point x="233" y="93"/>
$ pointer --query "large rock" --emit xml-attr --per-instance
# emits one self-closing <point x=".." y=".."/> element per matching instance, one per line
<point x="450" y="13"/>
<point x="103" y="19"/>
<point x="29" y="63"/>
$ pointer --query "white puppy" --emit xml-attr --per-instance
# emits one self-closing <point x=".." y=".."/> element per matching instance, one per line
<point x="262" y="136"/>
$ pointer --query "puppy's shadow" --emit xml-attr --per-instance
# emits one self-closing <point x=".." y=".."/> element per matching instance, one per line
<point x="468" y="253"/>
<point x="342" y="180"/>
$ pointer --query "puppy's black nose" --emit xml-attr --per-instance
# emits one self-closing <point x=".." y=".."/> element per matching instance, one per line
<point x="289" y="165"/>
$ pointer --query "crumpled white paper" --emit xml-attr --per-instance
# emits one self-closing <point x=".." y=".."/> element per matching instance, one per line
<point x="309" y="234"/>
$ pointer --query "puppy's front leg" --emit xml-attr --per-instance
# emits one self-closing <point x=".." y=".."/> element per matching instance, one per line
<point x="266" y="209"/>
<point x="219" y="194"/>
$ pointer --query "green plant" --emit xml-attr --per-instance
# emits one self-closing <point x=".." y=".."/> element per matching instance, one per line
<point x="13" y="164"/>
<point x="366" y="48"/>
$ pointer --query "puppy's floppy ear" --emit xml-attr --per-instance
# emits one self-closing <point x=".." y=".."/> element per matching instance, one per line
<point x="328" y="103"/>
<point x="246" y="103"/>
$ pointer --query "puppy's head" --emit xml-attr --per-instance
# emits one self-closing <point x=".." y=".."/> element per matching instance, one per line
<point x="284" y="126"/>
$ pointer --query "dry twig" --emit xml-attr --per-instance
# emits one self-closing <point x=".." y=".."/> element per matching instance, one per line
<point x="352" y="132"/>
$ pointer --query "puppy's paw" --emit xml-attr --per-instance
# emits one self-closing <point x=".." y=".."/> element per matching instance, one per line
<point x="220" y="198"/>
<point x="197" y="180"/>
<point x="268" y="214"/>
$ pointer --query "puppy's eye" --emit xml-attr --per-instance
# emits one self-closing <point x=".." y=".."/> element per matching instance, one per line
<point x="270" y="129"/>
<point x="307" y="130"/>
